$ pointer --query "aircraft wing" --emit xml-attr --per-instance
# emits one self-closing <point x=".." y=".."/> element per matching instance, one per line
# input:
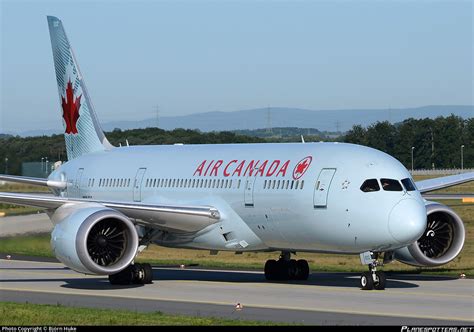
<point x="33" y="181"/>
<point x="467" y="197"/>
<point x="426" y="186"/>
<point x="177" y="217"/>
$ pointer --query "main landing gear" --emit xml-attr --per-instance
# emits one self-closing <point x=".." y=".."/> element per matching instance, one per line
<point x="286" y="268"/>
<point x="133" y="274"/>
<point x="373" y="279"/>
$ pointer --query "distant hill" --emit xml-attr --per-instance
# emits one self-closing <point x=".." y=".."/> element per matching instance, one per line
<point x="323" y="120"/>
<point x="280" y="133"/>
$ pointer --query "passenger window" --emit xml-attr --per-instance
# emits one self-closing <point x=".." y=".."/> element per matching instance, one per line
<point x="408" y="184"/>
<point x="391" y="185"/>
<point x="370" y="185"/>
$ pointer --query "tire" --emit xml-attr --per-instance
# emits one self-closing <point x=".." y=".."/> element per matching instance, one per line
<point x="379" y="284"/>
<point x="283" y="270"/>
<point x="271" y="269"/>
<point x="148" y="273"/>
<point x="303" y="269"/>
<point x="124" y="277"/>
<point x="366" y="282"/>
<point x="292" y="270"/>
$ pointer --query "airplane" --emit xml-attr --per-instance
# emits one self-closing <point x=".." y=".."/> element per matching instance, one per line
<point x="110" y="203"/>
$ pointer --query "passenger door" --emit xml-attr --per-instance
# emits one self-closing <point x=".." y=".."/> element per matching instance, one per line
<point x="249" y="186"/>
<point x="321" y="188"/>
<point x="137" y="185"/>
<point x="77" y="182"/>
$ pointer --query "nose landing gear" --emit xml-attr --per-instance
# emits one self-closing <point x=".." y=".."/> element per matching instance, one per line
<point x="373" y="279"/>
<point x="286" y="268"/>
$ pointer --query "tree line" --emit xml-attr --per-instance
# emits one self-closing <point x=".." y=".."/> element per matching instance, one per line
<point x="436" y="142"/>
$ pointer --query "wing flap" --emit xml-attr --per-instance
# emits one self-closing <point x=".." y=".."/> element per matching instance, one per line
<point x="177" y="217"/>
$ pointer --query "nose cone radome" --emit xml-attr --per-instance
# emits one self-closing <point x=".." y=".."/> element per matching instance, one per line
<point x="407" y="221"/>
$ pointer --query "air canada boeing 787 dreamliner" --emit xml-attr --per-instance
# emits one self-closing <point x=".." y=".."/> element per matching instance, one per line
<point x="110" y="202"/>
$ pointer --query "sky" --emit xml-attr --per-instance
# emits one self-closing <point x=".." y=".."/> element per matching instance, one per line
<point x="200" y="56"/>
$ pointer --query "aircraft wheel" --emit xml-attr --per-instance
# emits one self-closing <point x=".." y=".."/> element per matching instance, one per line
<point x="379" y="284"/>
<point x="271" y="269"/>
<point x="124" y="277"/>
<point x="148" y="279"/>
<point x="303" y="269"/>
<point x="366" y="281"/>
<point x="292" y="270"/>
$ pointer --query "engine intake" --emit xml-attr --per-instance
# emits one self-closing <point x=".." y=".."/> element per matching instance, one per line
<point x="95" y="240"/>
<point x="441" y="242"/>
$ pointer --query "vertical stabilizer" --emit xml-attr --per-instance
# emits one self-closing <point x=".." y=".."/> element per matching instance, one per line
<point x="82" y="133"/>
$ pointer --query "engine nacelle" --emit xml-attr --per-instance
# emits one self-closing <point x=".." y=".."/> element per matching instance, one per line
<point x="93" y="239"/>
<point x="441" y="242"/>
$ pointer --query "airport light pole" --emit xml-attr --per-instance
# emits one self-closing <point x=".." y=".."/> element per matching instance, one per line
<point x="42" y="165"/>
<point x="6" y="165"/>
<point x="412" y="148"/>
<point x="462" y="157"/>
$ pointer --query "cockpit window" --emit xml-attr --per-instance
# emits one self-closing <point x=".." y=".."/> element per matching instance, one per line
<point x="391" y="185"/>
<point x="408" y="184"/>
<point x="370" y="185"/>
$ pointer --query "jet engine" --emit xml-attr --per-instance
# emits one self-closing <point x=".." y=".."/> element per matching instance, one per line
<point x="93" y="239"/>
<point x="441" y="242"/>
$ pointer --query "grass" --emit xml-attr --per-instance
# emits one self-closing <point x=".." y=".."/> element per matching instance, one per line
<point x="34" y="245"/>
<point x="15" y="314"/>
<point x="23" y="188"/>
<point x="464" y="263"/>
<point x="15" y="210"/>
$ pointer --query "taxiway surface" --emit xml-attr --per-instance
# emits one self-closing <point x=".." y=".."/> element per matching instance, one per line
<point x="326" y="298"/>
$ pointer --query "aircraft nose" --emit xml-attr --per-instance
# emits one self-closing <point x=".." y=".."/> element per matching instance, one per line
<point x="407" y="221"/>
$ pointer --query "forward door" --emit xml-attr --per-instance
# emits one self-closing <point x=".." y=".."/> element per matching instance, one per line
<point x="249" y="186"/>
<point x="321" y="188"/>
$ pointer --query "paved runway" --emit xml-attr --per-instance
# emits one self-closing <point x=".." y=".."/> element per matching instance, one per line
<point x="25" y="225"/>
<point x="326" y="298"/>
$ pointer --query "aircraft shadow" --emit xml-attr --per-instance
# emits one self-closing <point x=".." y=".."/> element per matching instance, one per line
<point x="99" y="283"/>
<point x="327" y="279"/>
<point x="418" y="277"/>
<point x="315" y="279"/>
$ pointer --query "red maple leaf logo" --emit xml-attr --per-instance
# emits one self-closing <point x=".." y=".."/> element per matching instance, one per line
<point x="301" y="167"/>
<point x="71" y="109"/>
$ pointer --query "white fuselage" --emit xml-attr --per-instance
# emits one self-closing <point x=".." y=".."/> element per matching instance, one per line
<point x="295" y="197"/>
